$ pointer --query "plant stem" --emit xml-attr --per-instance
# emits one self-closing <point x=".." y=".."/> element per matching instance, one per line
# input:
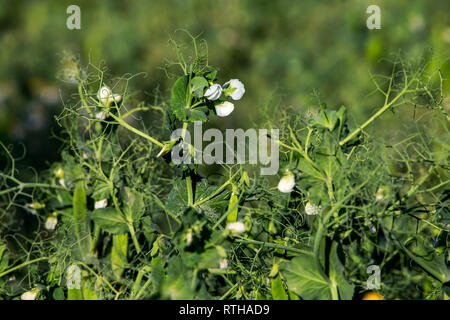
<point x="189" y="174"/>
<point x="229" y="292"/>
<point x="4" y="273"/>
<point x="273" y="245"/>
<point x="373" y="118"/>
<point x="133" y="237"/>
<point x="136" y="131"/>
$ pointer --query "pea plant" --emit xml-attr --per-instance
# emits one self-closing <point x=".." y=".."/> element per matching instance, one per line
<point x="116" y="218"/>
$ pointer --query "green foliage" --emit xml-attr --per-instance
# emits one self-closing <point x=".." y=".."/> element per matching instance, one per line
<point x="141" y="227"/>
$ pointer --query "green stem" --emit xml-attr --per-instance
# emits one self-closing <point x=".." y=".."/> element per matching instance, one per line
<point x="273" y="245"/>
<point x="373" y="118"/>
<point x="229" y="292"/>
<point x="188" y="176"/>
<point x="133" y="237"/>
<point x="4" y="273"/>
<point x="136" y="131"/>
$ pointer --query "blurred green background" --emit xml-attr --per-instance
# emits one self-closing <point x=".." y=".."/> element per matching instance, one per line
<point x="282" y="50"/>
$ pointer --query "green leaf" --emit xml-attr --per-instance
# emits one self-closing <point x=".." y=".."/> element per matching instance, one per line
<point x="278" y="291"/>
<point x="304" y="279"/>
<point x="119" y="254"/>
<point x="133" y="202"/>
<point x="326" y="119"/>
<point x="179" y="96"/>
<point x="58" y="294"/>
<point x="196" y="115"/>
<point x="177" y="200"/>
<point x="198" y="84"/>
<point x="211" y="76"/>
<point x="102" y="190"/>
<point x="337" y="276"/>
<point x="110" y="220"/>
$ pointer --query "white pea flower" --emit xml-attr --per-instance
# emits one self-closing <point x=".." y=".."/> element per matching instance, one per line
<point x="101" y="204"/>
<point x="214" y="92"/>
<point x="287" y="183"/>
<point x="51" y="222"/>
<point x="30" y="295"/>
<point x="101" y="115"/>
<point x="189" y="237"/>
<point x="224" y="109"/>
<point x="114" y="98"/>
<point x="106" y="97"/>
<point x="312" y="209"/>
<point x="103" y="94"/>
<point x="236" y="227"/>
<point x="223" y="263"/>
<point x="382" y="193"/>
<point x="238" y="87"/>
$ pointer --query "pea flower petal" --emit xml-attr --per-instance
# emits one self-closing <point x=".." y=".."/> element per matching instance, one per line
<point x="30" y="295"/>
<point x="51" y="222"/>
<point x="236" y="227"/>
<point x="238" y="87"/>
<point x="103" y="94"/>
<point x="224" y="109"/>
<point x="287" y="183"/>
<point x="214" y="92"/>
<point x="101" y="204"/>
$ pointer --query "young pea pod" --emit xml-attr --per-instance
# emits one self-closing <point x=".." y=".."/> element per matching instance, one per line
<point x="233" y="205"/>
<point x="119" y="254"/>
<point x="81" y="223"/>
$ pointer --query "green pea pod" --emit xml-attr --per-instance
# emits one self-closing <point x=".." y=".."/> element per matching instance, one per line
<point x="119" y="254"/>
<point x="232" y="216"/>
<point x="80" y="219"/>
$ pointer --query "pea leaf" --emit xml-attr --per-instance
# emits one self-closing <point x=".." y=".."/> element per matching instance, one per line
<point x="198" y="84"/>
<point x="102" y="190"/>
<point x="179" y="96"/>
<point x="278" y="292"/>
<point x="304" y="279"/>
<point x="211" y="75"/>
<point x="110" y="220"/>
<point x="196" y="115"/>
<point x="133" y="202"/>
<point x="337" y="276"/>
